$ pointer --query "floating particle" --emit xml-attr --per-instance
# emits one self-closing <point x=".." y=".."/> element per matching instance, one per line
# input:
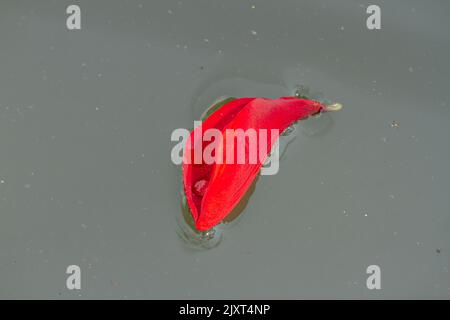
<point x="394" y="124"/>
<point x="254" y="32"/>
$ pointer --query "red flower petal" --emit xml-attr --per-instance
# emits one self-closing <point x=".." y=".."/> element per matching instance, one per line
<point x="213" y="190"/>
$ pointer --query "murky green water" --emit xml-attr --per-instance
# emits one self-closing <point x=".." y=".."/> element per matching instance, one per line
<point x="86" y="176"/>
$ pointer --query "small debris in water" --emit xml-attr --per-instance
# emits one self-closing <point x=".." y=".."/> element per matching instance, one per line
<point x="302" y="92"/>
<point x="438" y="251"/>
<point x="395" y="124"/>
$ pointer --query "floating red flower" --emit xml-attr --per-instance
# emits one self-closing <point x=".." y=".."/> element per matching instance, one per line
<point x="213" y="189"/>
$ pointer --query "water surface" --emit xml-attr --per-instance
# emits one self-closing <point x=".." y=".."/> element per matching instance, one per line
<point x="85" y="170"/>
